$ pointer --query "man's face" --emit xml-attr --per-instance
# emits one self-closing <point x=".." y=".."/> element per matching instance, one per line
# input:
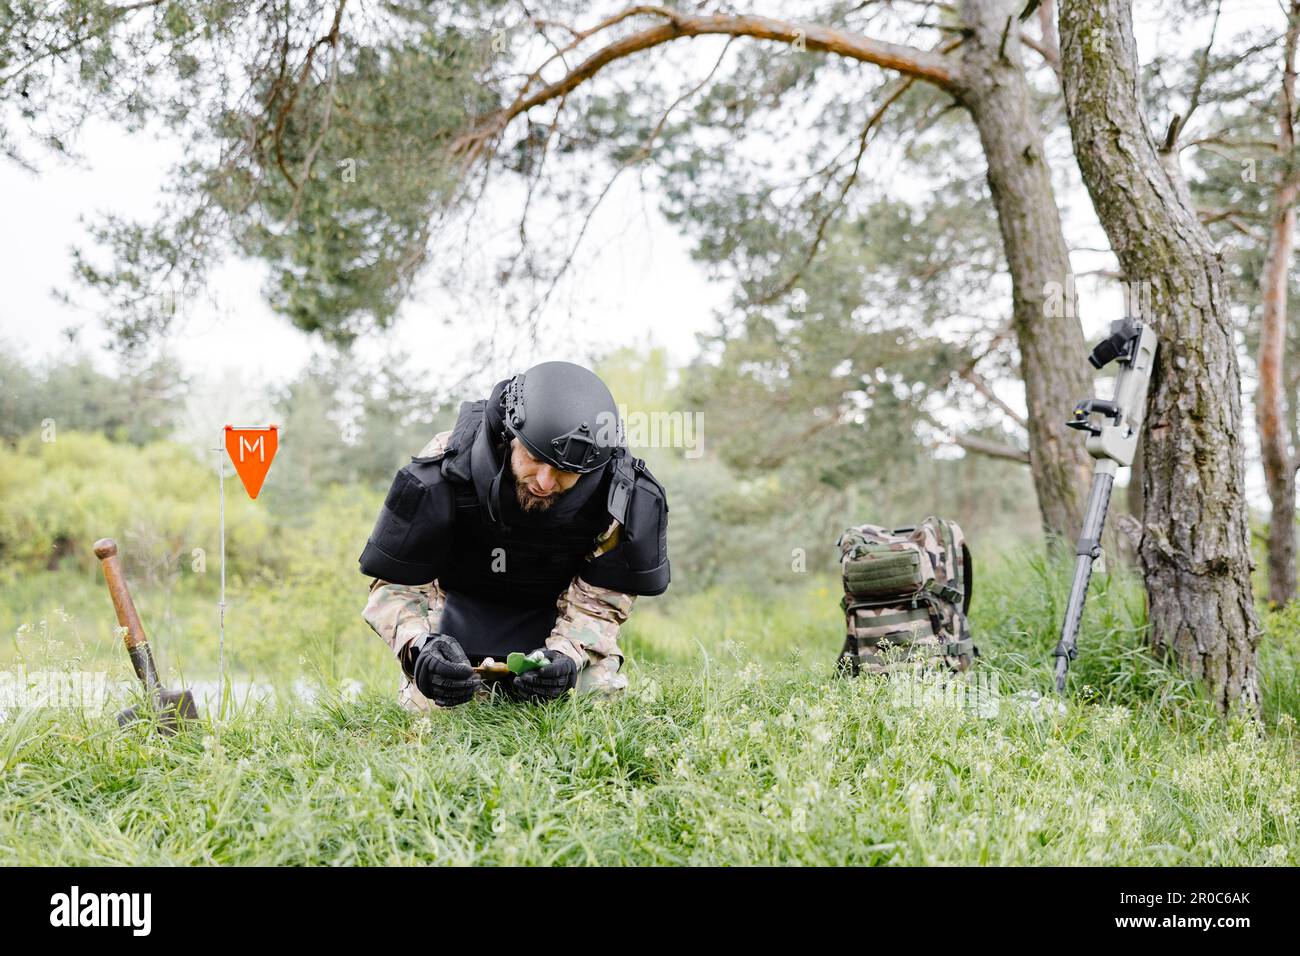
<point x="537" y="484"/>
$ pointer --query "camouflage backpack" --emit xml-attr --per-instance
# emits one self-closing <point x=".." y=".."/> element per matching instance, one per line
<point x="906" y="596"/>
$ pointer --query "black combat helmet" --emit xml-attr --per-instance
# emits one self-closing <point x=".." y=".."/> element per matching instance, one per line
<point x="564" y="415"/>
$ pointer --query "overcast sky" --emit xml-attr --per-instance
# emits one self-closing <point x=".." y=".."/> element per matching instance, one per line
<point x="639" y="283"/>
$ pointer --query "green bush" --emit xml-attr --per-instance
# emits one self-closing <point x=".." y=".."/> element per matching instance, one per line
<point x="158" y="501"/>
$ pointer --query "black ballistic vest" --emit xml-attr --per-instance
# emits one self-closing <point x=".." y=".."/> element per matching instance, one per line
<point x="508" y="567"/>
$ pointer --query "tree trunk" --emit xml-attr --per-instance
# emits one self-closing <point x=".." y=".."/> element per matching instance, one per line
<point x="1133" y="494"/>
<point x="1195" y="550"/>
<point x="992" y="87"/>
<point x="1270" y="403"/>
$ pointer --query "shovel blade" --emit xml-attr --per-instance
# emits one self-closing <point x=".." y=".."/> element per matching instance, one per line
<point x="170" y="708"/>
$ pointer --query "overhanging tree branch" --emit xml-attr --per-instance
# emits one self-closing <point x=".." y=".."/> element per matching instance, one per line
<point x="632" y="160"/>
<point x="900" y="87"/>
<point x="329" y="39"/>
<point x="985" y="389"/>
<point x="981" y="446"/>
<point x="910" y="61"/>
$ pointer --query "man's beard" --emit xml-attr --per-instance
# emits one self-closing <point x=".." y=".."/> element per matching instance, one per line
<point x="528" y="502"/>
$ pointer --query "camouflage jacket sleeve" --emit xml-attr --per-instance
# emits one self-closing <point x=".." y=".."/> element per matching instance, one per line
<point x="400" y="613"/>
<point x="587" y="626"/>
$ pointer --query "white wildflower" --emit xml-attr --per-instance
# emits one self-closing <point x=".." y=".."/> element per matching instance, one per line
<point x="919" y="793"/>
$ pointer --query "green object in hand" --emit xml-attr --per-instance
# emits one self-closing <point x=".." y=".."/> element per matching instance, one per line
<point x="523" y="663"/>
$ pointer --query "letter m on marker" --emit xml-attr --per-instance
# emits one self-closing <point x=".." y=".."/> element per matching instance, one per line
<point x="252" y="450"/>
<point x="260" y="445"/>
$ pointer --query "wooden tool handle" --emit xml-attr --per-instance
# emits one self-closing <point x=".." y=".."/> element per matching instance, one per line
<point x="106" y="551"/>
<point x="491" y="673"/>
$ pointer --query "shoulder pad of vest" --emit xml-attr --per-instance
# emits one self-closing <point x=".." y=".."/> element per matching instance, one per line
<point x="627" y="475"/>
<point x="638" y="564"/>
<point x="646" y="480"/>
<point x="456" y="460"/>
<point x="410" y="540"/>
<point x="434" y="450"/>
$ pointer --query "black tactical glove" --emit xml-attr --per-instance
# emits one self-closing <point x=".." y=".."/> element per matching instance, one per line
<point x="443" y="673"/>
<point x="549" y="682"/>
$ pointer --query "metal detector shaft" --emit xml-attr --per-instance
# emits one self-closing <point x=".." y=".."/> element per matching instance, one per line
<point x="1086" y="552"/>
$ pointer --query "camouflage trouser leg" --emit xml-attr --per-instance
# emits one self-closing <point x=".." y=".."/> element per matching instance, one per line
<point x="586" y="629"/>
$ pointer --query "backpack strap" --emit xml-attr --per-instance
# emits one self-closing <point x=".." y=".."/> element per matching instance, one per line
<point x="967" y="578"/>
<point x="958" y="560"/>
<point x="958" y="648"/>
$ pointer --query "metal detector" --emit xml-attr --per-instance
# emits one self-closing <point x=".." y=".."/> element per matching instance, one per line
<point x="1112" y="441"/>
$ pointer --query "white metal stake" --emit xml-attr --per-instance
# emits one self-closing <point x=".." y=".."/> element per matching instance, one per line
<point x="221" y="604"/>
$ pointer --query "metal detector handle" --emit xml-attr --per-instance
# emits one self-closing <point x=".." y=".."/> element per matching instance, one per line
<point x="1082" y="417"/>
<point x="1117" y="438"/>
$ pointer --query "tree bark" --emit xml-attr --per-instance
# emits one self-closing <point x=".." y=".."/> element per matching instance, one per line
<point x="1270" y="402"/>
<point x="992" y="87"/>
<point x="1195" y="546"/>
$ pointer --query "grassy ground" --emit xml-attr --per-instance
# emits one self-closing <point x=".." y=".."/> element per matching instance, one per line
<point x="734" y="745"/>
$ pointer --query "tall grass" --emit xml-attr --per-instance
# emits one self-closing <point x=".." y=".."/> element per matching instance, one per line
<point x="737" y="767"/>
<point x="735" y="744"/>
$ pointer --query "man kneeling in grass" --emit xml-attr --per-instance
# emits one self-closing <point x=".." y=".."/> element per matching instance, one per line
<point x="526" y="528"/>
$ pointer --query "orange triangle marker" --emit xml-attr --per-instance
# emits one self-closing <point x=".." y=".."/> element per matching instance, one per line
<point x="251" y="450"/>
